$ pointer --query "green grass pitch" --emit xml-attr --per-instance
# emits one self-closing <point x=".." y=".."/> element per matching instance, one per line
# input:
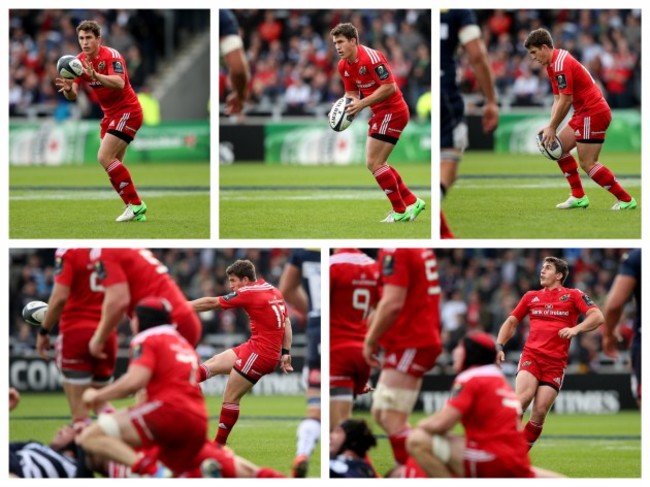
<point x="514" y="196"/>
<point x="79" y="202"/>
<point x="576" y="445"/>
<point x="265" y="433"/>
<point x="264" y="201"/>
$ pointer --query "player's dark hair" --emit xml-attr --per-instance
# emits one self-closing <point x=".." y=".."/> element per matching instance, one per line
<point x="480" y="349"/>
<point x="539" y="38"/>
<point x="90" y="25"/>
<point x="346" y="30"/>
<point x="561" y="266"/>
<point x="242" y="268"/>
<point x="152" y="312"/>
<point x="358" y="436"/>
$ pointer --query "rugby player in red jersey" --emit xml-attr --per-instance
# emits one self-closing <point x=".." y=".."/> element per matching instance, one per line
<point x="369" y="82"/>
<point x="76" y="304"/>
<point x="173" y="417"/>
<point x="489" y="410"/>
<point x="574" y="87"/>
<point x="269" y="343"/>
<point x="553" y="312"/>
<point x="105" y="73"/>
<point x="354" y="292"/>
<point x="406" y="324"/>
<point x="129" y="275"/>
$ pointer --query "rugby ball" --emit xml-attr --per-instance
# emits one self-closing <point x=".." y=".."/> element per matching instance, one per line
<point x="34" y="312"/>
<point x="69" y="67"/>
<point x="553" y="151"/>
<point x="339" y="120"/>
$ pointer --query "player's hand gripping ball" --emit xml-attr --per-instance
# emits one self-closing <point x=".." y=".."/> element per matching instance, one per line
<point x="339" y="120"/>
<point x="553" y="151"/>
<point x="34" y="312"/>
<point x="69" y="67"/>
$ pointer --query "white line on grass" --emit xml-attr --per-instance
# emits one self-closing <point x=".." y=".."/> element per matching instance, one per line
<point x="527" y="184"/>
<point x="362" y="195"/>
<point x="94" y="195"/>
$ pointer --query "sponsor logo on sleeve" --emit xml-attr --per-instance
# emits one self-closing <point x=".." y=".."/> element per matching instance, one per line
<point x="561" y="81"/>
<point x="118" y="67"/>
<point x="230" y="296"/>
<point x="382" y="72"/>
<point x="588" y="301"/>
<point x="388" y="265"/>
<point x="58" y="266"/>
<point x="100" y="270"/>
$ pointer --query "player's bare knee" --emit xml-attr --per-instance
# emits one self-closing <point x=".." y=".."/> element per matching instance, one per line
<point x="104" y="159"/>
<point x="417" y="440"/>
<point x="377" y="416"/>
<point x="86" y="437"/>
<point x="587" y="165"/>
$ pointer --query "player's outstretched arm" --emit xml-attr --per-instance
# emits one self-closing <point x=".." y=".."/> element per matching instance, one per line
<point x="388" y="309"/>
<point x="478" y="58"/>
<point x="14" y="398"/>
<point x="55" y="306"/>
<point x="136" y="378"/>
<point x="593" y="319"/>
<point x="285" y="359"/>
<point x="239" y="78"/>
<point x="290" y="286"/>
<point x="506" y="332"/>
<point x="116" y="301"/>
<point x="442" y="421"/>
<point x="112" y="81"/>
<point x="380" y="94"/>
<point x="67" y="88"/>
<point x="205" y="304"/>
<point x="621" y="290"/>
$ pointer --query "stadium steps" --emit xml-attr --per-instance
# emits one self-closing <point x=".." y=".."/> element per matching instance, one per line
<point x="182" y="86"/>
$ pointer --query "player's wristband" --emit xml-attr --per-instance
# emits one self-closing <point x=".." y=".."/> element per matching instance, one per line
<point x="499" y="347"/>
<point x="43" y="331"/>
<point x="286" y="351"/>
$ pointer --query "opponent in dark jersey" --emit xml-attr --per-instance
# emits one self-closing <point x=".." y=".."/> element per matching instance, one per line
<point x="459" y="28"/>
<point x="350" y="441"/>
<point x="626" y="284"/>
<point x="231" y="48"/>
<point x="300" y="286"/>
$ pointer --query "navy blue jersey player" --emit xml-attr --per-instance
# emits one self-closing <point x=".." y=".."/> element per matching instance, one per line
<point x="300" y="285"/>
<point x="626" y="284"/>
<point x="459" y="28"/>
<point x="350" y="441"/>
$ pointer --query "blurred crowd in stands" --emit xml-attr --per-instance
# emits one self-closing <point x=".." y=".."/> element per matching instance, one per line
<point x="293" y="61"/>
<point x="480" y="287"/>
<point x="198" y="272"/>
<point x="606" y="42"/>
<point x="37" y="38"/>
